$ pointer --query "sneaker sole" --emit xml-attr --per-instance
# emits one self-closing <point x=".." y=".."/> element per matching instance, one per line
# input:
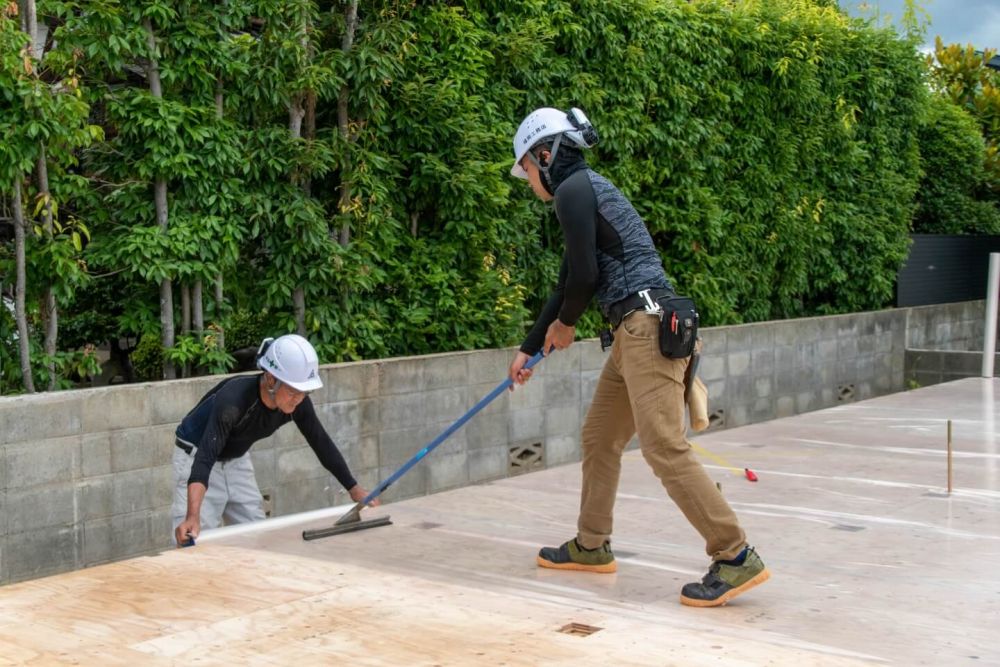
<point x="763" y="576"/>
<point x="607" y="568"/>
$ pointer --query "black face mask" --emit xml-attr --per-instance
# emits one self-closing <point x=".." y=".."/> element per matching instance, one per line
<point x="568" y="161"/>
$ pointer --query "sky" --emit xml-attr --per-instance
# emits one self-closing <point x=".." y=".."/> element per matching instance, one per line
<point x="956" y="21"/>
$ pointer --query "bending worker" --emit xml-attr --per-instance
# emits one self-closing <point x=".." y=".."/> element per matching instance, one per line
<point x="609" y="254"/>
<point x="213" y="474"/>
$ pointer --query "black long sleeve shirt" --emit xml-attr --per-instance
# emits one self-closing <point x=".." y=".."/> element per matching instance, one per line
<point x="231" y="417"/>
<point x="608" y="252"/>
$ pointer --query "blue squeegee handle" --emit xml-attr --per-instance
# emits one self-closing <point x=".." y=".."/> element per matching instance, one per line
<point x="503" y="386"/>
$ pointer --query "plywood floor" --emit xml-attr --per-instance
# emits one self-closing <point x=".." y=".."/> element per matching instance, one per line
<point x="872" y="564"/>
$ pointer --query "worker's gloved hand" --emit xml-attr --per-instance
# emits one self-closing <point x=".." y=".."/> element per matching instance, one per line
<point x="358" y="494"/>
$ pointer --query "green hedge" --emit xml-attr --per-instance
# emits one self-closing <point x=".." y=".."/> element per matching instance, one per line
<point x="770" y="146"/>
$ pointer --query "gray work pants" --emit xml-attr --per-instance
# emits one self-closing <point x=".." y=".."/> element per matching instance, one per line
<point x="232" y="493"/>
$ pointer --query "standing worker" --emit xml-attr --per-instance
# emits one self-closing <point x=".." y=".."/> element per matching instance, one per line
<point x="237" y="412"/>
<point x="609" y="253"/>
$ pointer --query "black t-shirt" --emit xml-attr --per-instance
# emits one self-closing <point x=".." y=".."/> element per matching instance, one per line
<point x="231" y="417"/>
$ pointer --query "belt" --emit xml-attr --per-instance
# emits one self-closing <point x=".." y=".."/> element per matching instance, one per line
<point x="619" y="310"/>
<point x="186" y="448"/>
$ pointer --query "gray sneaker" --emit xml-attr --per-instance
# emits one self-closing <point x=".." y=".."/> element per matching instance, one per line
<point x="724" y="582"/>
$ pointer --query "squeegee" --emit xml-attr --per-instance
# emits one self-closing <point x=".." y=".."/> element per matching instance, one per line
<point x="351" y="521"/>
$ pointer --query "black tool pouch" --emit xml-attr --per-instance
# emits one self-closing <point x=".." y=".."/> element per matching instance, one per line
<point x="678" y="326"/>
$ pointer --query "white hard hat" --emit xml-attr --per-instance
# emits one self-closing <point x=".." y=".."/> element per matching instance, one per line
<point x="547" y="122"/>
<point x="291" y="359"/>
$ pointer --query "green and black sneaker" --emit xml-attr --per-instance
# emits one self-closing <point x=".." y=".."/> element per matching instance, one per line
<point x="725" y="580"/>
<point x="571" y="556"/>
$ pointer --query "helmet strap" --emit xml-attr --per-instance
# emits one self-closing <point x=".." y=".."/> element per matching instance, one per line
<point x="543" y="169"/>
<point x="271" y="390"/>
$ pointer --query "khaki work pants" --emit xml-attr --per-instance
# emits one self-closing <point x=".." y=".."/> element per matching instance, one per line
<point x="642" y="391"/>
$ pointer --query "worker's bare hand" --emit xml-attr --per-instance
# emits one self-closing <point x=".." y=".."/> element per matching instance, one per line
<point x="358" y="493"/>
<point x="559" y="336"/>
<point x="517" y="373"/>
<point x="189" y="529"/>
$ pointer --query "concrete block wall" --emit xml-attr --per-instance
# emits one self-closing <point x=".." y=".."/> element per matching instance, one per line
<point x="85" y="476"/>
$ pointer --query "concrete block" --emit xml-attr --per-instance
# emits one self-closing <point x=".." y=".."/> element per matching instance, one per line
<point x="562" y="389"/>
<point x="285" y="437"/>
<point x="763" y="410"/>
<point x="138" y="490"/>
<point x="563" y="420"/>
<point x="762" y="336"/>
<point x="348" y="382"/>
<point x="592" y="357"/>
<point x="829" y="327"/>
<point x="361" y="453"/>
<point x="847" y="370"/>
<point x="786" y="334"/>
<point x="738" y="339"/>
<point x="562" y="361"/>
<point x="785" y="407"/>
<point x="342" y="420"/>
<point x="36" y="553"/>
<point x="161" y="529"/>
<point x="805" y="401"/>
<point x="446" y="371"/>
<point x="407" y="410"/>
<point x="136" y="448"/>
<point x="36" y="508"/>
<point x="806" y="355"/>
<point x="303" y="495"/>
<point x="488" y="367"/>
<point x="526" y="424"/>
<point x="487" y="463"/>
<point x="588" y="385"/>
<point x="561" y="449"/>
<point x="826" y="351"/>
<point x="162" y="485"/>
<point x="762" y="387"/>
<point x="265" y="466"/>
<point x="43" y="416"/>
<point x="97" y="547"/>
<point x="866" y="344"/>
<point x="785" y="358"/>
<point x="738" y="363"/>
<point x="762" y="362"/>
<point x="112" y="408"/>
<point x="3" y="468"/>
<point x="95" y="454"/>
<point x="847" y="328"/>
<point x="170" y="401"/>
<point x="712" y="367"/>
<point x="487" y="431"/>
<point x="299" y="463"/>
<point x="53" y="461"/>
<point x="95" y="497"/>
<point x="401" y="376"/>
<point x="4" y="575"/>
<point x="716" y="393"/>
<point x="738" y="415"/>
<point x="398" y="446"/>
<point x="447" y="472"/>
<point x="713" y="340"/>
<point x="808" y="329"/>
<point x="530" y="394"/>
<point x="132" y="534"/>
<point x="478" y="392"/>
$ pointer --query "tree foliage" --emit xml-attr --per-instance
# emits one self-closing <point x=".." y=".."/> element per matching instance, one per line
<point x="771" y="148"/>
